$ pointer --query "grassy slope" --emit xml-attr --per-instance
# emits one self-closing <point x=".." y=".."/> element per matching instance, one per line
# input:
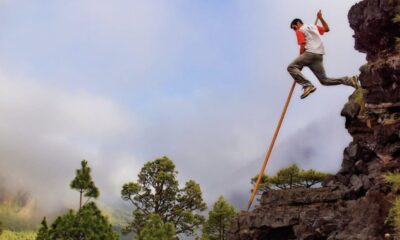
<point x="10" y="235"/>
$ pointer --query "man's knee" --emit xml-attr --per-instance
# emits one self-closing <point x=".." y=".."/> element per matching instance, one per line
<point x="291" y="68"/>
<point x="324" y="81"/>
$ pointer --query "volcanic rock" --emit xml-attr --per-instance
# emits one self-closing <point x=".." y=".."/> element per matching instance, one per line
<point x="354" y="203"/>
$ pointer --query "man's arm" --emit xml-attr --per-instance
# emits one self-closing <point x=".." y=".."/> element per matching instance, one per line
<point x="319" y="16"/>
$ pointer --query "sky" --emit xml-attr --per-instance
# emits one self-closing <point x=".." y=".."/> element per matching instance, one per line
<point x="120" y="83"/>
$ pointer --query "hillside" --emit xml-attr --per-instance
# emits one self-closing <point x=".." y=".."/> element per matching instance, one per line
<point x="18" y="211"/>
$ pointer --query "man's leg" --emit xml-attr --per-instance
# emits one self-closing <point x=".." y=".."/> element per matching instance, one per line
<point x="297" y="65"/>
<point x="317" y="68"/>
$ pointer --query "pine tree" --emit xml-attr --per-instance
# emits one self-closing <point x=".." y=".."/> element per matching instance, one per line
<point x="43" y="233"/>
<point x="87" y="223"/>
<point x="219" y="220"/>
<point x="291" y="177"/>
<point x="309" y="178"/>
<point x="84" y="184"/>
<point x="157" y="192"/>
<point x="156" y="229"/>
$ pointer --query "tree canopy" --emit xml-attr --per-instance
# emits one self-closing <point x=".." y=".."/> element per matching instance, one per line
<point x="291" y="177"/>
<point x="156" y="229"/>
<point x="43" y="233"/>
<point x="157" y="192"/>
<point x="219" y="220"/>
<point x="88" y="224"/>
<point x="84" y="184"/>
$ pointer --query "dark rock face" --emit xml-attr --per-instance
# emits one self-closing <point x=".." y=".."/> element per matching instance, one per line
<point x="354" y="203"/>
<point x="373" y="26"/>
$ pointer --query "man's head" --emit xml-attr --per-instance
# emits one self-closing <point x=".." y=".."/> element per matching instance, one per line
<point x="296" y="24"/>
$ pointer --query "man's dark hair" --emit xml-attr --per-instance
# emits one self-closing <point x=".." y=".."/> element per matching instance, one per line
<point x="295" y="21"/>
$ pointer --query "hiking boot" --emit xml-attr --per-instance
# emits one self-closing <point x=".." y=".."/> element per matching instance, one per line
<point x="307" y="90"/>
<point x="355" y="82"/>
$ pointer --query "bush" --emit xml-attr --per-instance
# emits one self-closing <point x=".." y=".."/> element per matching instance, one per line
<point x="394" y="214"/>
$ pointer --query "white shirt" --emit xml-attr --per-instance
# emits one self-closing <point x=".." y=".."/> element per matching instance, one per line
<point x="313" y="39"/>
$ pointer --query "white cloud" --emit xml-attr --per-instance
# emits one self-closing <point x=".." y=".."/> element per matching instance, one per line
<point x="45" y="132"/>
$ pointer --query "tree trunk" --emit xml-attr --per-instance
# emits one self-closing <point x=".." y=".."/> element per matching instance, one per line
<point x="221" y="236"/>
<point x="80" y="199"/>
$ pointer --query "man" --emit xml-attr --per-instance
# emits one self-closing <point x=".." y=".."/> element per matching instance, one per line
<point x="311" y="55"/>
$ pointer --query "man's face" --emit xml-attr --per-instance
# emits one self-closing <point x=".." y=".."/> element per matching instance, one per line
<point x="297" y="26"/>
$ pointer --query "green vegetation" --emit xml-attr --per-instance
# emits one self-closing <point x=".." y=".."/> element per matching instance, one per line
<point x="219" y="221"/>
<point x="157" y="192"/>
<point x="397" y="18"/>
<point x="394" y="214"/>
<point x="84" y="184"/>
<point x="88" y="222"/>
<point x="358" y="97"/>
<point x="394" y="179"/>
<point x="11" y="235"/>
<point x="291" y="177"/>
<point x="43" y="232"/>
<point x="156" y="229"/>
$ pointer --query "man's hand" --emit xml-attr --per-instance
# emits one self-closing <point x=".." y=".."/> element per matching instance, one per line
<point x="302" y="48"/>
<point x="319" y="14"/>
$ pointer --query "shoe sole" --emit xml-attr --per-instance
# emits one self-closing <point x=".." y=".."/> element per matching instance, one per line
<point x="308" y="93"/>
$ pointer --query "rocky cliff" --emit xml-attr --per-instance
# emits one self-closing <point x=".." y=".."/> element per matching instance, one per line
<point x="354" y="203"/>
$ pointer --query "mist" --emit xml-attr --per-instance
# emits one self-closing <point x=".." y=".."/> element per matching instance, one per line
<point x="124" y="83"/>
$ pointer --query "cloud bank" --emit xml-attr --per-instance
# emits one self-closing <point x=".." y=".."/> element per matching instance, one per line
<point x="126" y="82"/>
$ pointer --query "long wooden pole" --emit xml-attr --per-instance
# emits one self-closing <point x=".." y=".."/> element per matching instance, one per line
<point x="271" y="146"/>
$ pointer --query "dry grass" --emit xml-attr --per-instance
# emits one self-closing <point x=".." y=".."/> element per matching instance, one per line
<point x="11" y="235"/>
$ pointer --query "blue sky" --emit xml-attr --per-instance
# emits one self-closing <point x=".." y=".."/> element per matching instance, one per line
<point x="120" y="83"/>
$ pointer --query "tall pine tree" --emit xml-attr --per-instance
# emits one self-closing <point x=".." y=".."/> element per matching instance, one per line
<point x="87" y="223"/>
<point x="84" y="184"/>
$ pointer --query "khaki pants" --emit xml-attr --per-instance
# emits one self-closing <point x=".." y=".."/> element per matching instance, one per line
<point x="315" y="63"/>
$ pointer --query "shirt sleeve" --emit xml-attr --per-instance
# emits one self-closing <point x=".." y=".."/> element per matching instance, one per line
<point x="321" y="30"/>
<point x="300" y="38"/>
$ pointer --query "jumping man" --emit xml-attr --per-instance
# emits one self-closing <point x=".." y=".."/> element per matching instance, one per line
<point x="311" y="56"/>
